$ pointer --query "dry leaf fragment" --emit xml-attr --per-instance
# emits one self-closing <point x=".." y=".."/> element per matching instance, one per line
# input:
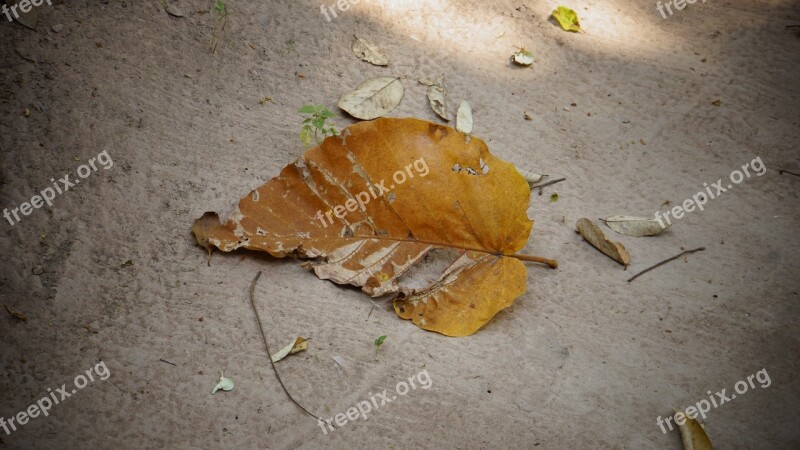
<point x="225" y="384"/>
<point x="374" y="98"/>
<point x="523" y="57"/>
<point x="437" y="97"/>
<point x="693" y="436"/>
<point x="528" y="116"/>
<point x="464" y="117"/>
<point x="531" y="177"/>
<point x="369" y="52"/>
<point x="380" y="207"/>
<point x="597" y="238"/>
<point x="298" y="345"/>
<point x="634" y="226"/>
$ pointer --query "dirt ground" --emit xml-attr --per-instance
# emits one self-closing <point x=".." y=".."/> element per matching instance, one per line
<point x="636" y="111"/>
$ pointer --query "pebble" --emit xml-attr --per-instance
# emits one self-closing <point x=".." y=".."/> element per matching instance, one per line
<point x="57" y="28"/>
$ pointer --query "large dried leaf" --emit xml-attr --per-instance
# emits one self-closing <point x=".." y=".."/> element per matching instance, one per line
<point x="29" y="18"/>
<point x="595" y="236"/>
<point x="369" y="52"/>
<point x="634" y="226"/>
<point x="374" y="98"/>
<point x="380" y="207"/>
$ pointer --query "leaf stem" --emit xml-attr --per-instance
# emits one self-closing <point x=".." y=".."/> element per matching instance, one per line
<point x="550" y="262"/>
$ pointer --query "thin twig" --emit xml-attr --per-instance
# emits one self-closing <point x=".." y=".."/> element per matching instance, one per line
<point x="165" y="361"/>
<point x="548" y="184"/>
<point x="370" y="312"/>
<point x="550" y="262"/>
<point x="781" y="172"/>
<point x="792" y="26"/>
<point x="266" y="345"/>
<point x="685" y="252"/>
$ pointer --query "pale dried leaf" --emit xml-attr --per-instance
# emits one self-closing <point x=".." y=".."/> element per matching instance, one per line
<point x="464" y="117"/>
<point x="369" y="52"/>
<point x="437" y="97"/>
<point x="531" y="177"/>
<point x="523" y="57"/>
<point x="374" y="98"/>
<point x="634" y="226"/>
<point x="297" y="345"/>
<point x="595" y="236"/>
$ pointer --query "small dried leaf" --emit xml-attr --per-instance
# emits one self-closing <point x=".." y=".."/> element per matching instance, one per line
<point x="464" y="117"/>
<point x="297" y="345"/>
<point x="634" y="226"/>
<point x="554" y="197"/>
<point x="567" y="18"/>
<point x="437" y="97"/>
<point x="225" y="384"/>
<point x="693" y="436"/>
<point x="597" y="238"/>
<point x="369" y="52"/>
<point x="531" y="177"/>
<point x="374" y="98"/>
<point x="523" y="57"/>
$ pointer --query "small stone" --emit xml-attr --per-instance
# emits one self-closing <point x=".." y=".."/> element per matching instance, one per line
<point x="173" y="10"/>
<point x="57" y="28"/>
<point x="38" y="270"/>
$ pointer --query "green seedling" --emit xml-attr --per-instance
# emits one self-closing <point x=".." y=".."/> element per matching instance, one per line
<point x="315" y="126"/>
<point x="378" y="343"/>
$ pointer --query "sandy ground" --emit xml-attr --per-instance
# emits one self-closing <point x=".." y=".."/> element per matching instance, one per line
<point x="582" y="360"/>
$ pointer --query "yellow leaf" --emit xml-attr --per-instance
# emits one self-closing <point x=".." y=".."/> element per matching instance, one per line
<point x="567" y="18"/>
<point x="382" y="207"/>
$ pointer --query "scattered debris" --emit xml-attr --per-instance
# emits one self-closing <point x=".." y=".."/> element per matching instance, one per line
<point x="38" y="270"/>
<point x="634" y="226"/>
<point x="57" y="28"/>
<point x="16" y="314"/>
<point x="554" y="197"/>
<point x="716" y="102"/>
<point x="339" y="362"/>
<point x="528" y="116"/>
<point x="782" y="171"/>
<point x="173" y="364"/>
<point x="266" y="344"/>
<point x="541" y="186"/>
<point x="127" y="263"/>
<point x="685" y="252"/>
<point x="595" y="236"/>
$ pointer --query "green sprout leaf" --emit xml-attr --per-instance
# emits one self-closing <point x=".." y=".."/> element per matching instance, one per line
<point x="315" y="125"/>
<point x="379" y="340"/>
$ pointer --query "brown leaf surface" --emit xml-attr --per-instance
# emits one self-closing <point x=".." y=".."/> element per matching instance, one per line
<point x="598" y="239"/>
<point x="441" y="240"/>
<point x="693" y="436"/>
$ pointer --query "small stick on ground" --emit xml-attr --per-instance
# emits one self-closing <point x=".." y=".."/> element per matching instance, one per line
<point x="685" y="252"/>
<point x="170" y="363"/>
<point x="266" y="345"/>
<point x="781" y="172"/>
<point x="548" y="184"/>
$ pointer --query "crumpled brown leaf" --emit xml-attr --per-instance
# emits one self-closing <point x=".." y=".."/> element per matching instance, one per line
<point x="440" y="239"/>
